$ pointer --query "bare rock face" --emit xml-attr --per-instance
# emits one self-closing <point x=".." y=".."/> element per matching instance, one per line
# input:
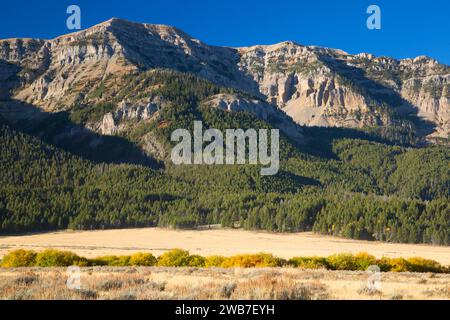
<point x="66" y="65"/>
<point x="108" y="125"/>
<point x="314" y="86"/>
<point x="431" y="95"/>
<point x="25" y="51"/>
<point x="113" y="122"/>
<point x="262" y="110"/>
<point x="56" y="73"/>
<point x="326" y="87"/>
<point x="231" y="102"/>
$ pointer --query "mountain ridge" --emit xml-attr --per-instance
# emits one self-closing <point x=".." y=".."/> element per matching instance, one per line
<point x="316" y="86"/>
<point x="224" y="46"/>
<point x="88" y="119"/>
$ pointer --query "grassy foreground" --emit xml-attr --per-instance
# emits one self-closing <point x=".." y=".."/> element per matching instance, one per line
<point x="182" y="258"/>
<point x="155" y="283"/>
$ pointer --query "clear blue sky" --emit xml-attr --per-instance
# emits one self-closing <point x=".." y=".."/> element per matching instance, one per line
<point x="409" y="27"/>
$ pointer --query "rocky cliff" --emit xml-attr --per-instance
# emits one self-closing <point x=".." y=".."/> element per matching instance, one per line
<point x="326" y="87"/>
<point x="315" y="86"/>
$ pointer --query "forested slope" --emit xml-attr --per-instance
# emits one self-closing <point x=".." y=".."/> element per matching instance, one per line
<point x="363" y="189"/>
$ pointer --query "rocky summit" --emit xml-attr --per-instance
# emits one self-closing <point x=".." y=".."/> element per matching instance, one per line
<point x="314" y="86"/>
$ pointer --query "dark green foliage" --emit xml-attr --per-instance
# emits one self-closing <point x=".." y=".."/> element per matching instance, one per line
<point x="85" y="114"/>
<point x="55" y="258"/>
<point x="341" y="182"/>
<point x="381" y="218"/>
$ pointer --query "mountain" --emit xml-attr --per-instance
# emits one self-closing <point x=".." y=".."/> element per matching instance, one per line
<point x="45" y="188"/>
<point x="55" y="72"/>
<point x="314" y="86"/>
<point x="86" y="120"/>
<point x="326" y="87"/>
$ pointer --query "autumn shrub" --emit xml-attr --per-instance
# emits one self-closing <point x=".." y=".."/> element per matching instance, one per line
<point x="398" y="265"/>
<point x="112" y="261"/>
<point x="123" y="261"/>
<point x="19" y="258"/>
<point x="424" y="265"/>
<point x="103" y="260"/>
<point x="196" y="261"/>
<point x="55" y="258"/>
<point x="214" y="261"/>
<point x="142" y="259"/>
<point x="344" y="261"/>
<point x="181" y="258"/>
<point x="410" y="265"/>
<point x="309" y="262"/>
<point x="174" y="258"/>
<point x="364" y="260"/>
<point x="384" y="264"/>
<point x="260" y="260"/>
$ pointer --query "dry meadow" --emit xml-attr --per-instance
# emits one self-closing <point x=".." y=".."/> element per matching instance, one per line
<point x="214" y="242"/>
<point x="155" y="283"/>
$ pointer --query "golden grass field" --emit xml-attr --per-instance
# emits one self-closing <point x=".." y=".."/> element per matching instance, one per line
<point x="156" y="283"/>
<point x="213" y="242"/>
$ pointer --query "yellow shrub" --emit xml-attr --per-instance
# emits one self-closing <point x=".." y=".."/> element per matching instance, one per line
<point x="142" y="259"/>
<point x="344" y="261"/>
<point x="82" y="262"/>
<point x="424" y="265"/>
<point x="384" y="264"/>
<point x="214" y="261"/>
<point x="113" y="261"/>
<point x="196" y="261"/>
<point x="364" y="260"/>
<point x="399" y="265"/>
<point x="182" y="258"/>
<point x="103" y="261"/>
<point x="121" y="261"/>
<point x="55" y="258"/>
<point x="309" y="262"/>
<point x="174" y="258"/>
<point x="260" y="260"/>
<point x="19" y="258"/>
